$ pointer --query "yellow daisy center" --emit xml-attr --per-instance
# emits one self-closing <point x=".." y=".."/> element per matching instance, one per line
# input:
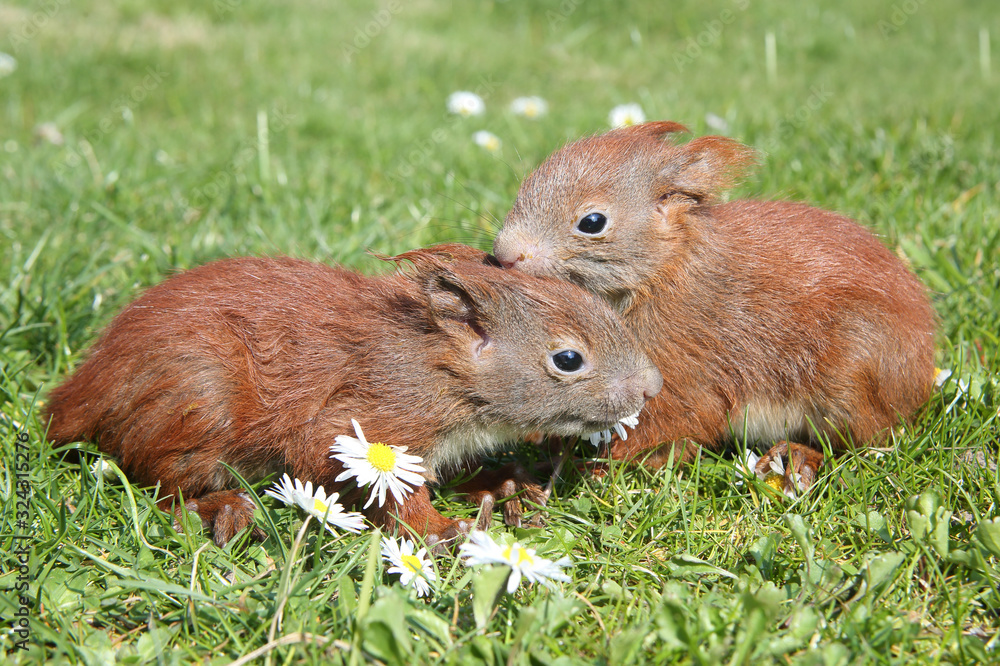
<point x="381" y="456"/>
<point x="522" y="555"/>
<point x="319" y="506"/>
<point x="412" y="562"/>
<point x="776" y="481"/>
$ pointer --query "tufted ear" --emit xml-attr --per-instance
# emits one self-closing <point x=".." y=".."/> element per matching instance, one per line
<point x="451" y="293"/>
<point x="703" y="167"/>
<point x="656" y="130"/>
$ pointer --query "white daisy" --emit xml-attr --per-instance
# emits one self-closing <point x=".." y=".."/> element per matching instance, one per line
<point x="487" y="140"/>
<point x="626" y="114"/>
<point x="523" y="562"/>
<point x="604" y="436"/>
<point x="941" y="376"/>
<point x="103" y="469"/>
<point x="8" y="64"/>
<point x="529" y="107"/>
<point x="776" y="478"/>
<point x="466" y="103"/>
<point x="718" y="123"/>
<point x="413" y="568"/>
<point x="747" y="468"/>
<point x="326" y="509"/>
<point x="50" y="133"/>
<point x="378" y="465"/>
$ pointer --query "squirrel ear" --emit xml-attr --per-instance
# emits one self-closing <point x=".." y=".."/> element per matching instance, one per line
<point x="449" y="295"/>
<point x="443" y="254"/>
<point x="449" y="299"/>
<point x="656" y="129"/>
<point x="704" y="167"/>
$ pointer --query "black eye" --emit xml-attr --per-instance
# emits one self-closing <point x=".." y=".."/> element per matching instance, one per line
<point x="568" y="360"/>
<point x="592" y="224"/>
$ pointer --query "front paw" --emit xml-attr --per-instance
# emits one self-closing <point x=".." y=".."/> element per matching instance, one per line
<point x="225" y="512"/>
<point x="445" y="536"/>
<point x="798" y="464"/>
<point x="511" y="485"/>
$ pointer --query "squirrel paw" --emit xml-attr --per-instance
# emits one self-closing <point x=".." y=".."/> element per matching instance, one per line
<point x="226" y="513"/>
<point x="510" y="484"/>
<point x="800" y="470"/>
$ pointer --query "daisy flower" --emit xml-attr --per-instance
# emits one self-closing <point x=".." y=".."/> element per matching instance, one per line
<point x="626" y="114"/>
<point x="604" y="436"/>
<point x="748" y="467"/>
<point x="326" y="509"/>
<point x="50" y="132"/>
<point x="523" y="562"/>
<point x="466" y="103"/>
<point x="941" y="376"/>
<point x="379" y="465"/>
<point x="487" y="140"/>
<point x="7" y="64"/>
<point x="102" y="468"/>
<point x="718" y="123"/>
<point x="529" y="107"/>
<point x="414" y="569"/>
<point x="775" y="478"/>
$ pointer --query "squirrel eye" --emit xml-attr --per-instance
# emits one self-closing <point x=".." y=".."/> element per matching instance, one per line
<point x="568" y="360"/>
<point x="592" y="224"/>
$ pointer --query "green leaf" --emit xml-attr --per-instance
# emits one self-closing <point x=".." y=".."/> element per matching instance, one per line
<point x="802" y="534"/>
<point x="881" y="569"/>
<point x="763" y="551"/>
<point x="432" y="624"/>
<point x="683" y="564"/>
<point x="625" y="645"/>
<point x="385" y="633"/>
<point x="929" y="521"/>
<point x="487" y="586"/>
<point x="988" y="535"/>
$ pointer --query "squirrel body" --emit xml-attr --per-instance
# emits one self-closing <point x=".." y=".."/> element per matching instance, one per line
<point x="260" y="363"/>
<point x="774" y="319"/>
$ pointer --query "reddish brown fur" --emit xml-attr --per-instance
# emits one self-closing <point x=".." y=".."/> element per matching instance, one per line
<point x="775" y="309"/>
<point x="261" y="363"/>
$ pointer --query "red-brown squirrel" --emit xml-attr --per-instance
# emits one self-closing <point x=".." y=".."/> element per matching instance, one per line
<point x="769" y="318"/>
<point x="260" y="363"/>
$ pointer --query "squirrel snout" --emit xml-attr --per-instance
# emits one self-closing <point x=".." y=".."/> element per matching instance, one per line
<point x="652" y="382"/>
<point x="514" y="251"/>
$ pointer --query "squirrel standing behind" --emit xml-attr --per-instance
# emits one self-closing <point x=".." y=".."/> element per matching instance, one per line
<point x="769" y="318"/>
<point x="260" y="363"/>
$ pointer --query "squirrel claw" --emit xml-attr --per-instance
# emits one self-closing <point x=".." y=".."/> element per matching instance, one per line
<point x="800" y="472"/>
<point x="509" y="484"/>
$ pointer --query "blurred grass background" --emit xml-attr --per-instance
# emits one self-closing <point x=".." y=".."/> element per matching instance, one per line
<point x="132" y="144"/>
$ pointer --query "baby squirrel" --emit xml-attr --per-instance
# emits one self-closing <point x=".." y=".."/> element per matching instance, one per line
<point x="770" y="318"/>
<point x="260" y="363"/>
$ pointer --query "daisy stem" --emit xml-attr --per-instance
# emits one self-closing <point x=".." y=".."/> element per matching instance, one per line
<point x="367" y="585"/>
<point x="286" y="576"/>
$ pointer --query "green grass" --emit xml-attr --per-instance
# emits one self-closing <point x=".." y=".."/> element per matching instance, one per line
<point x="879" y="112"/>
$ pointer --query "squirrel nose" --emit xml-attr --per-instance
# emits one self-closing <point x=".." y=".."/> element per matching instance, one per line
<point x="653" y="382"/>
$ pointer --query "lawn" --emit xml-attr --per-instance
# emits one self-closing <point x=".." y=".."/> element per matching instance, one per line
<point x="141" y="138"/>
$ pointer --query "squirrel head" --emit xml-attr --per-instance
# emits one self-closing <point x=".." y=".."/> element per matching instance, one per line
<point x="607" y="212"/>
